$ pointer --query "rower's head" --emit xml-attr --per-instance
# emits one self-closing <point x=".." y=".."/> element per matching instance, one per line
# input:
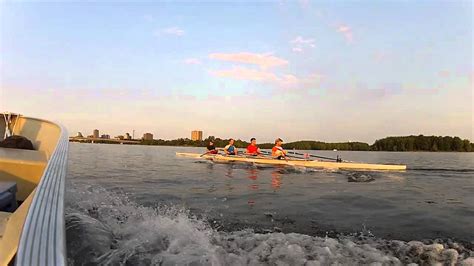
<point x="253" y="141"/>
<point x="278" y="142"/>
<point x="231" y="141"/>
<point x="211" y="143"/>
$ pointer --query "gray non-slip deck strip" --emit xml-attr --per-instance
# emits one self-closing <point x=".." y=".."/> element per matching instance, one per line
<point x="39" y="211"/>
<point x="43" y="241"/>
<point x="58" y="207"/>
<point x="45" y="205"/>
<point x="50" y="227"/>
<point x="41" y="206"/>
<point x="48" y="200"/>
<point x="45" y="208"/>
<point x="32" y="219"/>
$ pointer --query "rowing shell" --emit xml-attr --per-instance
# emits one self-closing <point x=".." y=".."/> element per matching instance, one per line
<point x="295" y="162"/>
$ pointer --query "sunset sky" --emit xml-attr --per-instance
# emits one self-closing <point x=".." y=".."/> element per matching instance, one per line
<point x="325" y="70"/>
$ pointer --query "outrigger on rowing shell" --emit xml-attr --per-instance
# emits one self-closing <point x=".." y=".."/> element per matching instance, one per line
<point x="263" y="157"/>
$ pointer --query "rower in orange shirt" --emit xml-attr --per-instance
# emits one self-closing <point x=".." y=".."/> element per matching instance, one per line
<point x="277" y="151"/>
<point x="253" y="149"/>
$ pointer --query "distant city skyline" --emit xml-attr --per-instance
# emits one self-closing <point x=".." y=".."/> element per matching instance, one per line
<point x="300" y="70"/>
<point x="96" y="133"/>
<point x="197" y="135"/>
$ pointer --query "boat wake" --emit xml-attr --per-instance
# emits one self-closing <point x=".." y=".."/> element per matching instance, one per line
<point x="352" y="176"/>
<point x="360" y="177"/>
<point x="107" y="228"/>
<point x="467" y="170"/>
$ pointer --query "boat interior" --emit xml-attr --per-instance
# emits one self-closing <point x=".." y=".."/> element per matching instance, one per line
<point x="21" y="171"/>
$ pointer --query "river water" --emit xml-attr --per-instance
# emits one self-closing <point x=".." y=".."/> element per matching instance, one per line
<point x="142" y="205"/>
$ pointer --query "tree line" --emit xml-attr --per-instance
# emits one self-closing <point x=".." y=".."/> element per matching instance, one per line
<point x="423" y="143"/>
<point x="401" y="143"/>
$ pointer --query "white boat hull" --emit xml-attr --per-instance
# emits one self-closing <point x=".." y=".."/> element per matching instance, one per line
<point x="296" y="162"/>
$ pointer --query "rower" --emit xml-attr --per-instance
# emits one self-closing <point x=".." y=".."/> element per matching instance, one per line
<point x="277" y="151"/>
<point x="253" y="149"/>
<point x="211" y="149"/>
<point x="230" y="149"/>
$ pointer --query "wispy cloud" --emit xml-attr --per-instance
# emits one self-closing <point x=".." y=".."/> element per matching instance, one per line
<point x="444" y="73"/>
<point x="299" y="43"/>
<point x="346" y="31"/>
<point x="302" y="41"/>
<point x="148" y="18"/>
<point x="284" y="81"/>
<point x="243" y="73"/>
<point x="174" y="31"/>
<point x="192" y="61"/>
<point x="297" y="49"/>
<point x="302" y="83"/>
<point x="264" y="71"/>
<point x="304" y="3"/>
<point x="264" y="61"/>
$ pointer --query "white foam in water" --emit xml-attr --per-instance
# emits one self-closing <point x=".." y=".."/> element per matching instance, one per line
<point x="108" y="229"/>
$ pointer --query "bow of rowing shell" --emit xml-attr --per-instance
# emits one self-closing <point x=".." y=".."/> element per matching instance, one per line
<point x="295" y="162"/>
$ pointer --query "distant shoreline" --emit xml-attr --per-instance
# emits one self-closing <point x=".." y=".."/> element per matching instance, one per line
<point x="391" y="144"/>
<point x="266" y="148"/>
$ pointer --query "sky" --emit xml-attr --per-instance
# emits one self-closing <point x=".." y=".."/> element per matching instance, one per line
<point x="299" y="70"/>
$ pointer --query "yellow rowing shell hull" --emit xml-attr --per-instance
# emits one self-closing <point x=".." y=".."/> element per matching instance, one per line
<point x="293" y="162"/>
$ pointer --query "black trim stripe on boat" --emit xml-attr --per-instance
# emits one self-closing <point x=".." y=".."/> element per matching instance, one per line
<point x="43" y="239"/>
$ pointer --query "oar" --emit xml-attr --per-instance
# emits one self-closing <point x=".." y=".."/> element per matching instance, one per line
<point x="337" y="159"/>
<point x="269" y="153"/>
<point x="238" y="152"/>
<point x="244" y="154"/>
<point x="207" y="152"/>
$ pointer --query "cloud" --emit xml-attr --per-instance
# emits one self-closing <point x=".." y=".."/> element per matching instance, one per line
<point x="444" y="73"/>
<point x="264" y="61"/>
<point x="192" y="61"/>
<point x="346" y="31"/>
<point x="284" y="81"/>
<point x="303" y="84"/>
<point x="300" y="42"/>
<point x="174" y="31"/>
<point x="288" y="81"/>
<point x="264" y="72"/>
<point x="304" y="3"/>
<point x="243" y="73"/>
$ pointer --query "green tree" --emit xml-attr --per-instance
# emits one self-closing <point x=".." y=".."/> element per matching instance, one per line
<point x="457" y="144"/>
<point x="467" y="145"/>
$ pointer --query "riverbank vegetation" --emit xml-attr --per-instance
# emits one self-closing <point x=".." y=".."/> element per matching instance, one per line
<point x="423" y="143"/>
<point x="400" y="143"/>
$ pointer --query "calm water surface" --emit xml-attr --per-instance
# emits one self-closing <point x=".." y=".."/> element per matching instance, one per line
<point x="111" y="184"/>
